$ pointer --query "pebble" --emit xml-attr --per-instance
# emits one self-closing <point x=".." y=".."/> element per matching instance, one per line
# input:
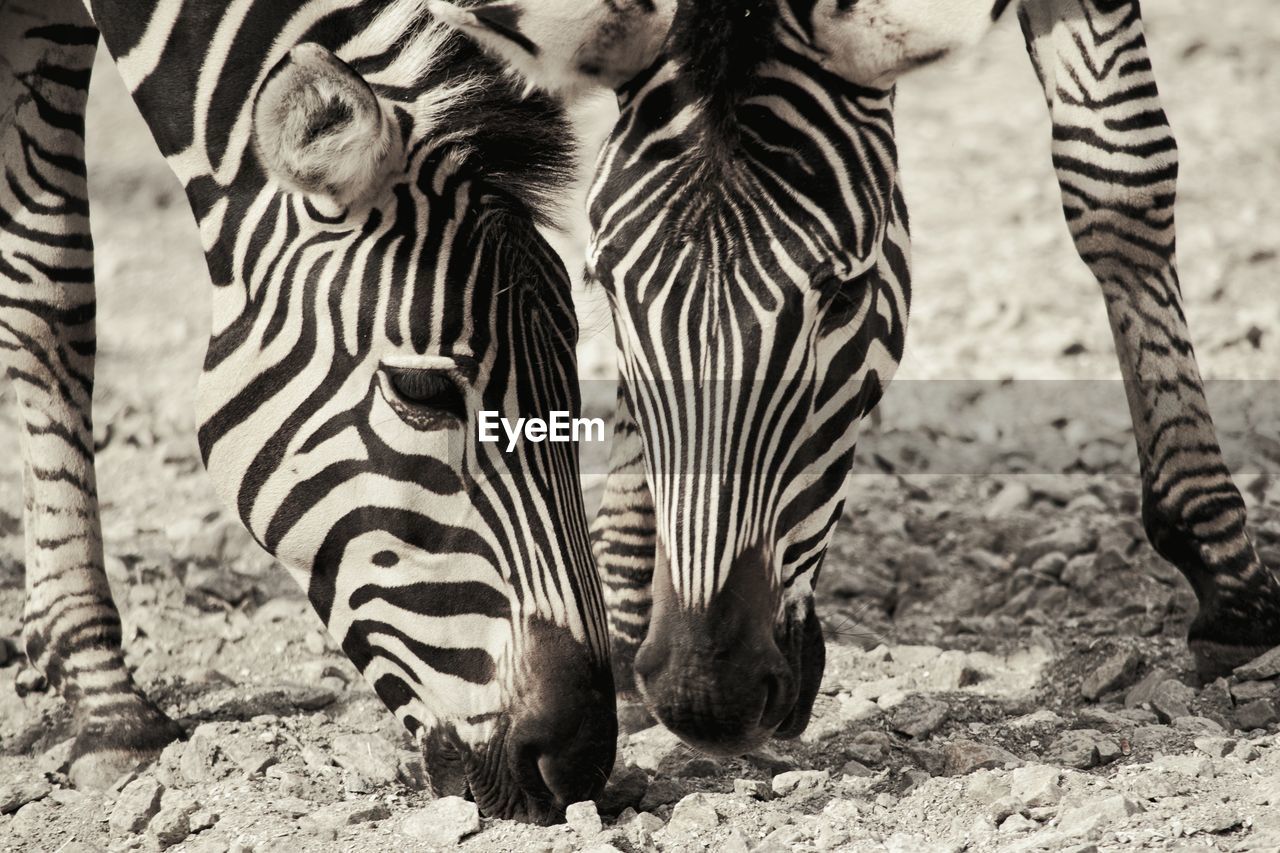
<point x="1171" y="699"/>
<point x="962" y="757"/>
<point x="1141" y="693"/>
<point x="1258" y="714"/>
<point x="752" y="788"/>
<point x="855" y="709"/>
<point x="444" y="823"/>
<point x="26" y="789"/>
<point x="1114" y="673"/>
<point x="170" y="826"/>
<point x="372" y="759"/>
<point x="1070" y="539"/>
<point x="853" y="767"/>
<point x="801" y="781"/>
<point x="583" y="819"/>
<point x="1260" y="668"/>
<point x="1017" y="823"/>
<point x="348" y="814"/>
<point x="1077" y="748"/>
<point x="1014" y="496"/>
<point x="1095" y="813"/>
<point x="136" y="805"/>
<point x="692" y="815"/>
<point x="871" y="748"/>
<point x="918" y="716"/>
<point x="647" y="749"/>
<point x="640" y="827"/>
<point x="1036" y="785"/>
<point x="626" y="788"/>
<point x="1215" y="747"/>
<point x="1247" y="691"/>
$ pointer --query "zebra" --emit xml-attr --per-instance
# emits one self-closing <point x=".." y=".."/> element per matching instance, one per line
<point x="369" y="188"/>
<point x="752" y="236"/>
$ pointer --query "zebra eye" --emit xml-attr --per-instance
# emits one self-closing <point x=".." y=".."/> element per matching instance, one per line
<point x="428" y="392"/>
<point x="840" y="302"/>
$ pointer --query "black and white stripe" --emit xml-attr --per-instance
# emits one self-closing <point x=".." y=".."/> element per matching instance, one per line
<point x="355" y="337"/>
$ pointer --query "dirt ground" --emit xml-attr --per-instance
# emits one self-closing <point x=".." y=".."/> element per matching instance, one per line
<point x="1005" y="663"/>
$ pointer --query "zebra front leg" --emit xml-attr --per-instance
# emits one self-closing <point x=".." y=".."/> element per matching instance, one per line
<point x="623" y="538"/>
<point x="1117" y="167"/>
<point x="71" y="629"/>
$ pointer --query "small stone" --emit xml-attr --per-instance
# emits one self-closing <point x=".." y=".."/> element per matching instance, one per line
<point x="1036" y="785"/>
<point x="753" y="788"/>
<point x="871" y="748"/>
<point x="1215" y="747"/>
<point x="626" y="788"/>
<point x="661" y="792"/>
<point x="1014" y="496"/>
<point x="1171" y="699"/>
<point x="853" y="767"/>
<point x="918" y="716"/>
<point x="1247" y="691"/>
<point x="963" y="757"/>
<point x="348" y="813"/>
<point x="1017" y="823"/>
<point x="202" y="819"/>
<point x="1114" y="673"/>
<point x="1108" y="750"/>
<point x="371" y="757"/>
<point x="641" y="827"/>
<point x="170" y="826"/>
<point x="1246" y="751"/>
<point x="1198" y="725"/>
<point x="649" y="748"/>
<point x="1258" y="714"/>
<point x="1071" y="539"/>
<point x="26" y="789"/>
<point x="1140" y="694"/>
<point x="136" y="805"/>
<point x="734" y="842"/>
<point x="1077" y="748"/>
<point x="985" y="787"/>
<point x="693" y="814"/>
<point x="799" y="781"/>
<point x="855" y="709"/>
<point x="583" y="819"/>
<point x="1260" y="668"/>
<point x="444" y="823"/>
<point x="1003" y="807"/>
<point x="1096" y="814"/>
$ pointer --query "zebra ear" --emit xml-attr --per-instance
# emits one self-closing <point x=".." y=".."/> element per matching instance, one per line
<point x="873" y="42"/>
<point x="565" y="46"/>
<point x="319" y="128"/>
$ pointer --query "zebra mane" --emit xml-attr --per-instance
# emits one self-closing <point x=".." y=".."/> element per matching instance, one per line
<point x="522" y="141"/>
<point x="719" y="44"/>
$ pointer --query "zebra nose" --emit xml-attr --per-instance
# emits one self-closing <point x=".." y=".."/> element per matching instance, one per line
<point x="564" y="735"/>
<point x="715" y="676"/>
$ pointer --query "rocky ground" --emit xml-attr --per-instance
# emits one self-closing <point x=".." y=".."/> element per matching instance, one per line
<point x="1006" y="670"/>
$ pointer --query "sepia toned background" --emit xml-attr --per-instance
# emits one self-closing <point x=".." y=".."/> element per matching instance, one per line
<point x="967" y="605"/>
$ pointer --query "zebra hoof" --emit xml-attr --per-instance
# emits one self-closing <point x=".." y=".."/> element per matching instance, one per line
<point x="105" y="750"/>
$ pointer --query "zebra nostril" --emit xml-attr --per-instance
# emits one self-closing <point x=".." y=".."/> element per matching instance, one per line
<point x="779" y="697"/>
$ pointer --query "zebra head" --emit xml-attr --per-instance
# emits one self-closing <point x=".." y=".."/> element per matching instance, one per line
<point x="370" y="223"/>
<point x="749" y="231"/>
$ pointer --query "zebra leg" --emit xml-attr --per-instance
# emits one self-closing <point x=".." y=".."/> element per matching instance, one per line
<point x="71" y="629"/>
<point x="623" y="538"/>
<point x="1117" y="166"/>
